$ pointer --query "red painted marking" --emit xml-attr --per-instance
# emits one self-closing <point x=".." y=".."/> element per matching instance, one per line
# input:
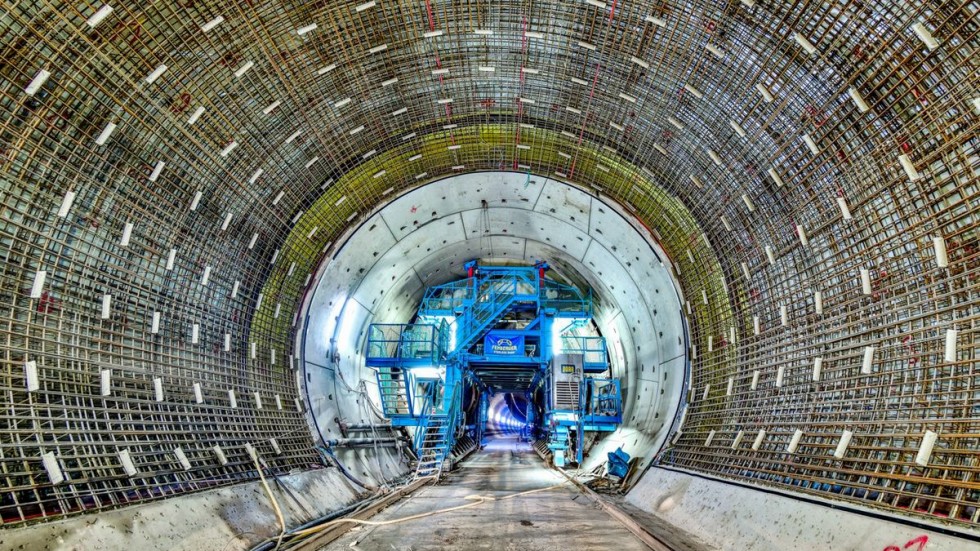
<point x="428" y="11"/>
<point x="230" y="59"/>
<point x="414" y="209"/>
<point x="181" y="103"/>
<point x="921" y="540"/>
<point x="517" y="138"/>
<point x="137" y="28"/>
<point x="815" y="116"/>
<point x="52" y="120"/>
<point x="139" y="172"/>
<point x="47" y="304"/>
<point x="524" y="42"/>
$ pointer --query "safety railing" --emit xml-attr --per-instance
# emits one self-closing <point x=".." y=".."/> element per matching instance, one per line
<point x="593" y="350"/>
<point x="566" y="300"/>
<point x="419" y="342"/>
<point x="423" y="415"/>
<point x="436" y="434"/>
<point x="444" y="299"/>
<point x="454" y="415"/>
<point x="604" y="401"/>
<point x="447" y="299"/>
<point x="491" y="305"/>
<point x="458" y="401"/>
<point x="393" y="383"/>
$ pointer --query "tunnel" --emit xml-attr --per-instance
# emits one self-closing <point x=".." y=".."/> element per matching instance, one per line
<point x="763" y="215"/>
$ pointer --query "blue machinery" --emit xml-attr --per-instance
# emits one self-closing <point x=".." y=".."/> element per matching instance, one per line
<point x="502" y="329"/>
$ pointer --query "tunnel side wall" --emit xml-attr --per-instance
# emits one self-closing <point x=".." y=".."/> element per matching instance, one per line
<point x="729" y="516"/>
<point x="223" y="519"/>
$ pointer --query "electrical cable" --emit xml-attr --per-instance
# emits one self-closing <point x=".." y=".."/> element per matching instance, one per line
<point x="275" y="502"/>
<point x="475" y="500"/>
<point x="351" y="509"/>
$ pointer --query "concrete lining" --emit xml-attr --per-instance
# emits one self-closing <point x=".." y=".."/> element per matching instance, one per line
<point x="423" y="237"/>
<point x="222" y="519"/>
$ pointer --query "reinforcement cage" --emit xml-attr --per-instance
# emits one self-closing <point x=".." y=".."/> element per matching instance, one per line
<point x="171" y="173"/>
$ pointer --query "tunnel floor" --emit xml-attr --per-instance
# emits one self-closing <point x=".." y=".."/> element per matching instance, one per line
<point x="556" y="518"/>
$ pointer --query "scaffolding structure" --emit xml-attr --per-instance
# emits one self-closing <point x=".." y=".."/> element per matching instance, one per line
<point x="171" y="173"/>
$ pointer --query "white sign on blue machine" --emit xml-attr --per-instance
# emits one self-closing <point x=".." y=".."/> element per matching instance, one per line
<point x="499" y="345"/>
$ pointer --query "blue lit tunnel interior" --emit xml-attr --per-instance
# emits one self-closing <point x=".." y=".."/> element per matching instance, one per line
<point x="507" y="415"/>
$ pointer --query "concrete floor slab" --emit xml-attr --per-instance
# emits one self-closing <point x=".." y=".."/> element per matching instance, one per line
<point x="557" y="518"/>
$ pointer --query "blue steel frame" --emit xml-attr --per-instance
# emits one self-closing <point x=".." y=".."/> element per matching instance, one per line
<point x="604" y="409"/>
<point x="473" y="306"/>
<point x="593" y="350"/>
<point x="404" y="345"/>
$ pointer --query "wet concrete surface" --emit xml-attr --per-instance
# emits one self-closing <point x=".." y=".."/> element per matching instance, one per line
<point x="556" y="518"/>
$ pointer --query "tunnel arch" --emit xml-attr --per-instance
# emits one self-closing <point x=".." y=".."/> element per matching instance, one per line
<point x="158" y="161"/>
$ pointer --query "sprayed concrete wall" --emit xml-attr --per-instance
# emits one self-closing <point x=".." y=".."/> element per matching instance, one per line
<point x="729" y="516"/>
<point x="224" y="519"/>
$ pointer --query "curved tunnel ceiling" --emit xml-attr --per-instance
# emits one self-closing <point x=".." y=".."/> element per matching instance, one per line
<point x="155" y="158"/>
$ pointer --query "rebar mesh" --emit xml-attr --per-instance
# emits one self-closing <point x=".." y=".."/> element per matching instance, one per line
<point x="739" y="148"/>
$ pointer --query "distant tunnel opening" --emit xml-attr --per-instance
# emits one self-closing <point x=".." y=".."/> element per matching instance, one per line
<point x="508" y="416"/>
